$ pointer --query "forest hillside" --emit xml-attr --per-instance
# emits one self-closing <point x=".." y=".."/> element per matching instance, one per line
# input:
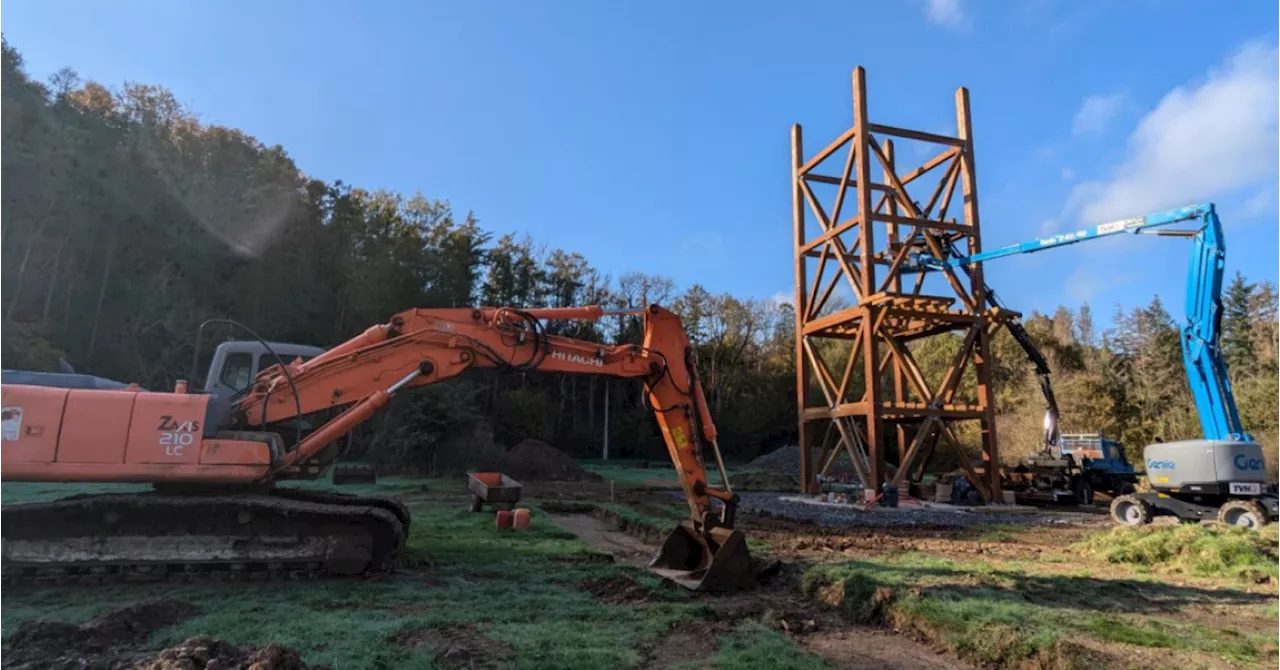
<point x="128" y="222"/>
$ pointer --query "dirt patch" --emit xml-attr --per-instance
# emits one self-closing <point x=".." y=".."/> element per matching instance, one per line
<point x="536" y="460"/>
<point x="107" y="641"/>
<point x="206" y="653"/>
<point x="455" y="645"/>
<point x="621" y="589"/>
<point x="686" y="645"/>
<point x="863" y="648"/>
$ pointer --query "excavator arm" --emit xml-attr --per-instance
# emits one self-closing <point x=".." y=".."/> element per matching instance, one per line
<point x="419" y="347"/>
<point x="213" y="461"/>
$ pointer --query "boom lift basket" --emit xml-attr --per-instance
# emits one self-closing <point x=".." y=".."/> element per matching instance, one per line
<point x="716" y="560"/>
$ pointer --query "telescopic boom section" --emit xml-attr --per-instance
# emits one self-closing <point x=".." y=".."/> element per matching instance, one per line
<point x="418" y="347"/>
<point x="1201" y="329"/>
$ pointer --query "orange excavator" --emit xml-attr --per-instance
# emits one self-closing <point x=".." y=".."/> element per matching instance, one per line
<point x="214" y="508"/>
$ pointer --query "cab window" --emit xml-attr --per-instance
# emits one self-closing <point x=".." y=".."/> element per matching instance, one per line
<point x="237" y="371"/>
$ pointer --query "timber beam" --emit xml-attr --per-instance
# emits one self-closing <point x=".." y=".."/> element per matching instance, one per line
<point x="860" y="388"/>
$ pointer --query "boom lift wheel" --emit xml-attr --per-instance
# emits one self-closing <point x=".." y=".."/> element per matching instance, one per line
<point x="1243" y="514"/>
<point x="1130" y="510"/>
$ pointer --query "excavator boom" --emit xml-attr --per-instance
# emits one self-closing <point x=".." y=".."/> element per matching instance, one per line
<point x="258" y="438"/>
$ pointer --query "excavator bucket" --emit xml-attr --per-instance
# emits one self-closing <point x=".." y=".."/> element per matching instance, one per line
<point x="715" y="561"/>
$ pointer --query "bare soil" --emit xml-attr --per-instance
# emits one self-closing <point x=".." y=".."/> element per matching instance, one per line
<point x="106" y="642"/>
<point x="621" y="590"/>
<point x="686" y="645"/>
<point x="865" y="648"/>
<point x="117" y="640"/>
<point x="778" y="603"/>
<point x="461" y="646"/>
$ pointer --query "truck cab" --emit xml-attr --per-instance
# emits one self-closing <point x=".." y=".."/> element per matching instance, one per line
<point x="1096" y="453"/>
<point x="235" y="363"/>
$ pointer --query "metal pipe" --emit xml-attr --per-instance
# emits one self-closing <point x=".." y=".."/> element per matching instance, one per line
<point x="407" y="378"/>
<point x="724" y="475"/>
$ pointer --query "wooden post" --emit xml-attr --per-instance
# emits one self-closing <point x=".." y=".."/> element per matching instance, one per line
<point x="884" y="318"/>
<point x="807" y="480"/>
<point x="982" y="351"/>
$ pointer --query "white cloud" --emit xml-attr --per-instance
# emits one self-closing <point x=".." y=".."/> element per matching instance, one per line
<point x="946" y="13"/>
<point x="783" y="298"/>
<point x="1202" y="141"/>
<point x="1095" y="113"/>
<point x="1068" y="174"/>
<point x="1262" y="202"/>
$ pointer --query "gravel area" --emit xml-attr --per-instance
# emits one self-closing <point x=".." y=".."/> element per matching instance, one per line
<point x="773" y="504"/>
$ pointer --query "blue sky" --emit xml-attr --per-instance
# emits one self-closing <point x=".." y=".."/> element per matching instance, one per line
<point x="655" y="136"/>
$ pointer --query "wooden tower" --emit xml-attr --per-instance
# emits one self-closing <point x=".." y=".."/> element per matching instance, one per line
<point x="862" y="233"/>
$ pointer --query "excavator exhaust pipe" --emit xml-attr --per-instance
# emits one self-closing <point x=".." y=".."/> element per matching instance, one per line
<point x="716" y="560"/>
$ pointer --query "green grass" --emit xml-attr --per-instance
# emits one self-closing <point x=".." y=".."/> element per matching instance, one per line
<point x="1192" y="549"/>
<point x="1005" y="616"/>
<point x="753" y="646"/>
<point x="519" y="589"/>
<point x="997" y="533"/>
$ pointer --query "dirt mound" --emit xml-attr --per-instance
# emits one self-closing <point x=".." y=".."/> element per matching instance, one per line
<point x="206" y="653"/>
<point x="107" y="642"/>
<point x="534" y="460"/>
<point x="455" y="645"/>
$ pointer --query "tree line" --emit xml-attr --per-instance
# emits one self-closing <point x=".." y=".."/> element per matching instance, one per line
<point x="129" y="222"/>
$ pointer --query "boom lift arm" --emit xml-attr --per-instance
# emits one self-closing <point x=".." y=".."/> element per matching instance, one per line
<point x="1202" y="357"/>
<point x="1052" y="432"/>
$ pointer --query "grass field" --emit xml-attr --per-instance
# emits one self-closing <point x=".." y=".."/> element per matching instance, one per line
<point x="1068" y="608"/>
<point x="469" y="595"/>
<point x="521" y="598"/>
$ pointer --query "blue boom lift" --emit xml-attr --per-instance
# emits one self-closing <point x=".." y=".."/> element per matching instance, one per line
<point x="1067" y="467"/>
<point x="1223" y="474"/>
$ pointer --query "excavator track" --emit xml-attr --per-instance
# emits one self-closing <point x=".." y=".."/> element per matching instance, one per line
<point x="160" y="536"/>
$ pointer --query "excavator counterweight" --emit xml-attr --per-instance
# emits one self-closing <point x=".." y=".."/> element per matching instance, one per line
<point x="215" y="462"/>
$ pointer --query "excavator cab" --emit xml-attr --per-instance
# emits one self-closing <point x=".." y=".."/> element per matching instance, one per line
<point x="236" y="363"/>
